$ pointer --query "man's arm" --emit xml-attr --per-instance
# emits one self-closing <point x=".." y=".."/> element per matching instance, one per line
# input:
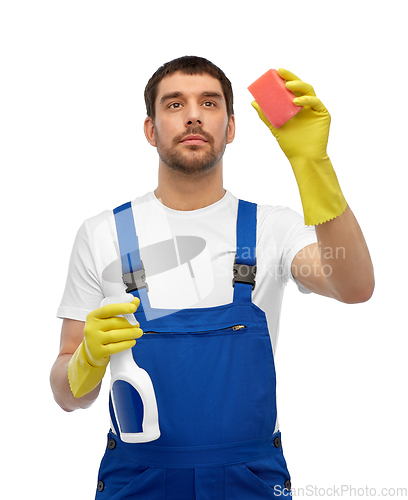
<point x="339" y="265"/>
<point x="72" y="334"/>
<point x="86" y="349"/>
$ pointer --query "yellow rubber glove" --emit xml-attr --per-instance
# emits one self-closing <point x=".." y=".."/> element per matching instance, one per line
<point x="303" y="139"/>
<point x="104" y="335"/>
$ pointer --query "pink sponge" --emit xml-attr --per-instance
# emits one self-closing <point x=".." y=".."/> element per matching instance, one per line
<point x="274" y="98"/>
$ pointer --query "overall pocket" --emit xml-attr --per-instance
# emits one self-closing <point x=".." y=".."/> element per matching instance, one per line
<point x="258" y="479"/>
<point x="121" y="479"/>
<point x="212" y="387"/>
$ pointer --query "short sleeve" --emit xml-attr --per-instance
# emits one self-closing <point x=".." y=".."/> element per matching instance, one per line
<point x="283" y="230"/>
<point x="297" y="237"/>
<point x="82" y="293"/>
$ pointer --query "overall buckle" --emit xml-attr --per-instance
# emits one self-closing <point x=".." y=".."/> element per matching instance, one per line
<point x="244" y="273"/>
<point x="136" y="280"/>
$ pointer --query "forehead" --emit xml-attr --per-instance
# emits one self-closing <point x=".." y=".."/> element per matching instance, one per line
<point x="188" y="85"/>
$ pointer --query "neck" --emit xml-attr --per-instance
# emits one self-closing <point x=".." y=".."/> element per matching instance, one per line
<point x="189" y="192"/>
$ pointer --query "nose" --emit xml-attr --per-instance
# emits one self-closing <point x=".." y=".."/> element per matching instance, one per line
<point x="193" y="116"/>
<point x="191" y="122"/>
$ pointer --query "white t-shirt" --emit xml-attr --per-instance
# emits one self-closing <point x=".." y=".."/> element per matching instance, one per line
<point x="188" y="257"/>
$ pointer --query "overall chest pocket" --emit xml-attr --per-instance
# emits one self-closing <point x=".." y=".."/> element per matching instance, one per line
<point x="212" y="387"/>
<point x="216" y="331"/>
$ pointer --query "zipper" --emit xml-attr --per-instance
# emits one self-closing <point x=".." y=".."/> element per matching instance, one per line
<point x="238" y="327"/>
<point x="234" y="328"/>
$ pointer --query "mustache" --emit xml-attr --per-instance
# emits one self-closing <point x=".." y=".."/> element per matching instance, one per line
<point x="194" y="131"/>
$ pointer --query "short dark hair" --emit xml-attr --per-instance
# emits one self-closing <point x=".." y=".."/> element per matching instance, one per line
<point x="189" y="65"/>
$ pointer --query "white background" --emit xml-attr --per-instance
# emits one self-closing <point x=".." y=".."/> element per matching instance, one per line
<point x="72" y="145"/>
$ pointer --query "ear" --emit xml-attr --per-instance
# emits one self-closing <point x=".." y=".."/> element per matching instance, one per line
<point x="149" y="131"/>
<point x="231" y="129"/>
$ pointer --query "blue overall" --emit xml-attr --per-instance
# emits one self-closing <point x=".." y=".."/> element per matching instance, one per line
<point x="214" y="378"/>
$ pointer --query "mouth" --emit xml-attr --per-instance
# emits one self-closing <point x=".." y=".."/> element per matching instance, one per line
<point x="193" y="140"/>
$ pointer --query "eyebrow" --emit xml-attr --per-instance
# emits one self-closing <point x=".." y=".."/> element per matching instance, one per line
<point x="173" y="95"/>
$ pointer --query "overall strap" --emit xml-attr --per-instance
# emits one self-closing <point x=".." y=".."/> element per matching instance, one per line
<point x="245" y="260"/>
<point x="132" y="267"/>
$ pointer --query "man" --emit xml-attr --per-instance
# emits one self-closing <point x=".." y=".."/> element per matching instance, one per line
<point x="210" y="358"/>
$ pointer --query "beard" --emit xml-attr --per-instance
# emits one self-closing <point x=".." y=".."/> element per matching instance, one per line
<point x="192" y="160"/>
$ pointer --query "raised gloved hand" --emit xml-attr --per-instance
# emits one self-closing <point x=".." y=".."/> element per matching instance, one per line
<point x="303" y="139"/>
<point x="104" y="334"/>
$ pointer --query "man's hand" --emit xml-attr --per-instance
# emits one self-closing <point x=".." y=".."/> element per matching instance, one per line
<point x="307" y="133"/>
<point x="104" y="335"/>
<point x="304" y="139"/>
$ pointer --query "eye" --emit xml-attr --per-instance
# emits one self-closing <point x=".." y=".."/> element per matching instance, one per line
<point x="208" y="104"/>
<point x="175" y="105"/>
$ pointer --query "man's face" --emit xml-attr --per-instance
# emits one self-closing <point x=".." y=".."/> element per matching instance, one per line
<point x="191" y="128"/>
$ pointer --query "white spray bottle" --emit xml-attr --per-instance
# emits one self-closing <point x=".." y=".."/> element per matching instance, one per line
<point x="125" y="369"/>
